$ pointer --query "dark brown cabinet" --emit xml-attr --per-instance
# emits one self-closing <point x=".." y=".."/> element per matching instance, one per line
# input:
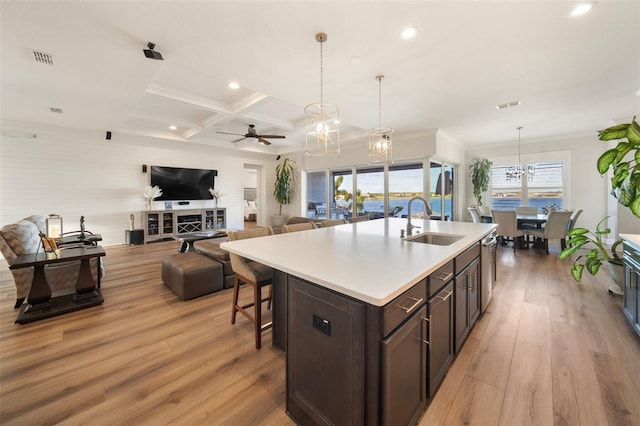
<point x="325" y="356"/>
<point x="440" y="337"/>
<point x="630" y="292"/>
<point x="404" y="370"/>
<point x="466" y="294"/>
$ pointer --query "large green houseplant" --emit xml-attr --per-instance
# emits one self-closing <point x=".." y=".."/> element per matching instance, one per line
<point x="597" y="254"/>
<point x="480" y="172"/>
<point x="624" y="161"/>
<point x="283" y="187"/>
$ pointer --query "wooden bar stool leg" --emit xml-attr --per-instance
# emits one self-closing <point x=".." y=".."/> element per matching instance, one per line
<point x="234" y="308"/>
<point x="257" y="297"/>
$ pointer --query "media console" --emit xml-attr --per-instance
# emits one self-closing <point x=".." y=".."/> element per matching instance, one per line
<point x="165" y="224"/>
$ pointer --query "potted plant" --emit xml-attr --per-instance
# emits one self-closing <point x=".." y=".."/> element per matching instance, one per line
<point x="480" y="172"/>
<point x="283" y="188"/>
<point x="625" y="182"/>
<point x="596" y="254"/>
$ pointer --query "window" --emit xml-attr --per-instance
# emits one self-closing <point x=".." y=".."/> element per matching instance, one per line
<point x="342" y="189"/>
<point x="544" y="189"/>
<point x="370" y="193"/>
<point x="317" y="195"/>
<point x="405" y="181"/>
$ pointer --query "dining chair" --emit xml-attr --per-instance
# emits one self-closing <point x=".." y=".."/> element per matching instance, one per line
<point x="507" y="225"/>
<point x="475" y="214"/>
<point x="295" y="227"/>
<point x="333" y="222"/>
<point x="554" y="228"/>
<point x="362" y="218"/>
<point x="254" y="274"/>
<point x="526" y="210"/>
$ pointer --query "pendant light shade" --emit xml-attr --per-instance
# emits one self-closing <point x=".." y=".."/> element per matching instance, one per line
<point x="322" y="130"/>
<point x="515" y="173"/>
<point x="380" y="142"/>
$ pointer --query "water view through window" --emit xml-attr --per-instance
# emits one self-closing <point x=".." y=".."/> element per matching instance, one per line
<point x="543" y="189"/>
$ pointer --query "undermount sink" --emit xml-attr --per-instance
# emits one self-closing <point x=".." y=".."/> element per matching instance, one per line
<point x="435" y="238"/>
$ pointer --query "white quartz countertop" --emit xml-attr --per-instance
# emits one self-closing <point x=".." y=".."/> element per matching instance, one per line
<point x="366" y="260"/>
<point x="632" y="239"/>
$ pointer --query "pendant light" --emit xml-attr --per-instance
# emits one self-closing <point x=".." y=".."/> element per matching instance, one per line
<point x="322" y="130"/>
<point x="380" y="143"/>
<point x="515" y="173"/>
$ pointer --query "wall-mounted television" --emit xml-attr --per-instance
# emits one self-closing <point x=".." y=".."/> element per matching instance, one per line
<point x="183" y="184"/>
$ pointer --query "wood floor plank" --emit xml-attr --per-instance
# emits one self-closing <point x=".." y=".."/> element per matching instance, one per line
<point x="477" y="403"/>
<point x="576" y="394"/>
<point x="144" y="357"/>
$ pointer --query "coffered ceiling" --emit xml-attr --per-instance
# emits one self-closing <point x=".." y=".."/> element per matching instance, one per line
<point x="571" y="74"/>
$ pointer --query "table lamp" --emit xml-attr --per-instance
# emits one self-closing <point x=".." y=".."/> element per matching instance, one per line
<point x="54" y="226"/>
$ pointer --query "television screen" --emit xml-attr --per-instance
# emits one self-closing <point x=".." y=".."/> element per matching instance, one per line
<point x="183" y="184"/>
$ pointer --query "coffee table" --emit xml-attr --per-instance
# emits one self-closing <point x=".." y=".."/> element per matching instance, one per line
<point x="187" y="240"/>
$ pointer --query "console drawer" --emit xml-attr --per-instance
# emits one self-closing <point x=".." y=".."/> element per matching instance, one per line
<point x="403" y="306"/>
<point x="439" y="279"/>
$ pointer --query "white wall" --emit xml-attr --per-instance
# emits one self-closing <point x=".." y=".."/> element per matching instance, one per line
<point x="79" y="173"/>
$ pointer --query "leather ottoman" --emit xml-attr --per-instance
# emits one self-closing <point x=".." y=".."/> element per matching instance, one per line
<point x="211" y="248"/>
<point x="191" y="275"/>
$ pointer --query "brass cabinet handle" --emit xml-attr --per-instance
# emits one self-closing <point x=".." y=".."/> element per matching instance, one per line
<point x="427" y="341"/>
<point x="444" y="277"/>
<point x="417" y="303"/>
<point x="446" y="297"/>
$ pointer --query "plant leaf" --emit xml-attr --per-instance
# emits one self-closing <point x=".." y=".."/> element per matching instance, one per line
<point x="623" y="149"/>
<point x="576" y="272"/>
<point x="606" y="159"/>
<point x="633" y="132"/>
<point x="614" y="132"/>
<point x="635" y="206"/>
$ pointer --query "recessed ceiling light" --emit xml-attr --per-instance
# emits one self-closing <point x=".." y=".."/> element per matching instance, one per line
<point x="234" y="85"/>
<point x="409" y="32"/>
<point x="355" y="60"/>
<point x="173" y="127"/>
<point x="581" y="9"/>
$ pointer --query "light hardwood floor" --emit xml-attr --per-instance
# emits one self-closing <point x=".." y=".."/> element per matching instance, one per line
<point x="547" y="352"/>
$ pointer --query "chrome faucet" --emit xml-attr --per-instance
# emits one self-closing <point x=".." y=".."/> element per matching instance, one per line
<point x="427" y="208"/>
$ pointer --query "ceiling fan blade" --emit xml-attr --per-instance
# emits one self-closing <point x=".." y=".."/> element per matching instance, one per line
<point x="272" y="136"/>
<point x="264" y="141"/>
<point x="234" y="134"/>
<point x="238" y="140"/>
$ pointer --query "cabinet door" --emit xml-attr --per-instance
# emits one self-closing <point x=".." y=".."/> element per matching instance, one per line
<point x="404" y="371"/>
<point x="440" y="337"/>
<point x="473" y="291"/>
<point x="325" y="356"/>
<point x="630" y="295"/>
<point x="461" y="312"/>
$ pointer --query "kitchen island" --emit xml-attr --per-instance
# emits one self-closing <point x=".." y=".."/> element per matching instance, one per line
<point x="370" y="322"/>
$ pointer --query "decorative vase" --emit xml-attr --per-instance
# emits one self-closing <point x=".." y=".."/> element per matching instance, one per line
<point x="149" y="203"/>
<point x="215" y="203"/>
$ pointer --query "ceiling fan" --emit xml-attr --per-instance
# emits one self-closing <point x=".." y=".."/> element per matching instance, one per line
<point x="251" y="133"/>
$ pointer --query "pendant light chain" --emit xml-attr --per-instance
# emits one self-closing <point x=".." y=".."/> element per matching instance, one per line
<point x="519" y="162"/>
<point x="321" y="74"/>
<point x="379" y="101"/>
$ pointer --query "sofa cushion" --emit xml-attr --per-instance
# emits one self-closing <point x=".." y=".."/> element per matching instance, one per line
<point x="22" y="237"/>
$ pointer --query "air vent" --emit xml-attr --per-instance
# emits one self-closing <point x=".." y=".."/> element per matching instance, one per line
<point x="509" y="105"/>
<point x="42" y="57"/>
<point x="56" y="110"/>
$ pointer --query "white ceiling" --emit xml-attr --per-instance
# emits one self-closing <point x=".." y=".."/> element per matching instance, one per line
<point x="572" y="75"/>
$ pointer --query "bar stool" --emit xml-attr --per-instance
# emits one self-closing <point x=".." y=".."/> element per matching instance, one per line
<point x="257" y="276"/>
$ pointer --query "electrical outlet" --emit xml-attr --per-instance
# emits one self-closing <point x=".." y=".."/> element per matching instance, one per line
<point x="322" y="324"/>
